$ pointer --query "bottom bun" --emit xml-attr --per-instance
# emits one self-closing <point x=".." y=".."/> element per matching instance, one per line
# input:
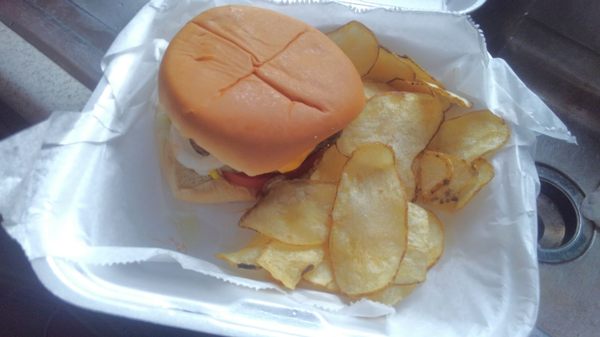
<point x="188" y="185"/>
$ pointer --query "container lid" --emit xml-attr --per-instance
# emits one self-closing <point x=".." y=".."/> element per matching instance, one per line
<point x="455" y="6"/>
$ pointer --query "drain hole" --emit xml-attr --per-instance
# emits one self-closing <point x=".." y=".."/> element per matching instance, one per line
<point x="540" y="227"/>
<point x="563" y="234"/>
<point x="557" y="219"/>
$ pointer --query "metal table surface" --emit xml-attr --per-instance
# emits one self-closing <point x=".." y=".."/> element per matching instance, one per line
<point x="553" y="45"/>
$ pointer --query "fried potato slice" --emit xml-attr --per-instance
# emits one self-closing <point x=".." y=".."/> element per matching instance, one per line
<point x="435" y="239"/>
<point x="404" y="121"/>
<point x="484" y="173"/>
<point x="368" y="234"/>
<point x="444" y="96"/>
<point x="411" y="86"/>
<point x="449" y="96"/>
<point x="294" y="212"/>
<point x="448" y="195"/>
<point x="322" y="275"/>
<point x="329" y="168"/>
<point x="358" y="43"/>
<point x="246" y="257"/>
<point x="392" y="294"/>
<point x="466" y="181"/>
<point x="471" y="135"/>
<point x="389" y="66"/>
<point x="413" y="267"/>
<point x="420" y="73"/>
<point x="433" y="170"/>
<point x="374" y="88"/>
<point x="286" y="263"/>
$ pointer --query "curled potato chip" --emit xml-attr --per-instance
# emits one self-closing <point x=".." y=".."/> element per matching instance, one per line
<point x="411" y="86"/>
<point x="471" y="135"/>
<point x="444" y="96"/>
<point x="329" y="168"/>
<point x="413" y="267"/>
<point x="467" y="180"/>
<point x="484" y="172"/>
<point x="404" y="121"/>
<point x="358" y="43"/>
<point x="420" y="73"/>
<point x="425" y="83"/>
<point x="294" y="212"/>
<point x="374" y="88"/>
<point x="435" y="239"/>
<point x="449" y="96"/>
<point x="433" y="170"/>
<point x="322" y="275"/>
<point x="389" y="66"/>
<point x="246" y="257"/>
<point x="368" y="233"/>
<point x="286" y="263"/>
<point x="447" y="195"/>
<point x="392" y="294"/>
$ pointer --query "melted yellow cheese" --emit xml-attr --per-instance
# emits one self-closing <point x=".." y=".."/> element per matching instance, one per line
<point x="294" y="164"/>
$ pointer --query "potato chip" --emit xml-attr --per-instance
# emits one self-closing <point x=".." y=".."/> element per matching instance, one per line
<point x="404" y="121"/>
<point x="411" y="86"/>
<point x="484" y="173"/>
<point x="329" y="168"/>
<point x="448" y="194"/>
<point x="286" y="263"/>
<point x="293" y="211"/>
<point x="375" y="88"/>
<point x="246" y="257"/>
<point x="462" y="173"/>
<point x="413" y="267"/>
<point x="368" y="234"/>
<point x="449" y="96"/>
<point x="466" y="181"/>
<point x="358" y="43"/>
<point x="470" y="136"/>
<point x="420" y="73"/>
<point x="433" y="170"/>
<point x="444" y="96"/>
<point x="389" y="66"/>
<point x="436" y="239"/>
<point x="392" y="294"/>
<point x="322" y="275"/>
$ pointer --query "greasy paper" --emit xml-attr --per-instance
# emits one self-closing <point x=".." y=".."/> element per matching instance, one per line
<point x="93" y="192"/>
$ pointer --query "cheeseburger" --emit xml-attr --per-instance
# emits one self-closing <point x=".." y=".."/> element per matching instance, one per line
<point x="245" y="95"/>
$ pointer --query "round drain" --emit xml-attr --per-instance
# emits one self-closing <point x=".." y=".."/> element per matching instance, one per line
<point x="563" y="234"/>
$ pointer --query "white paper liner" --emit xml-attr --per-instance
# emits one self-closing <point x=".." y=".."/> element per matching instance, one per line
<point x="93" y="191"/>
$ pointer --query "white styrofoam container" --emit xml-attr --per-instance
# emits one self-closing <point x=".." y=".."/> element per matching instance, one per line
<point x="455" y="6"/>
<point x="139" y="291"/>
